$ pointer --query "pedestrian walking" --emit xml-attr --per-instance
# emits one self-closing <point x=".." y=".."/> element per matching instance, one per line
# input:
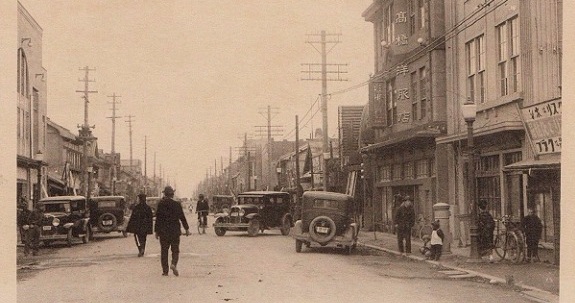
<point x="141" y="223"/>
<point x="168" y="230"/>
<point x="532" y="228"/>
<point x="32" y="231"/>
<point x="485" y="228"/>
<point x="436" y="241"/>
<point x="202" y="208"/>
<point x="404" y="221"/>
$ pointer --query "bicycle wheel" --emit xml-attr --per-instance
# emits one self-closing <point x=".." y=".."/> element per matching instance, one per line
<point x="199" y="227"/>
<point x="499" y="246"/>
<point x="425" y="230"/>
<point x="513" y="247"/>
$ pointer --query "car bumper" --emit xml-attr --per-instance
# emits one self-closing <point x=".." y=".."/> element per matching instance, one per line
<point x="231" y="225"/>
<point x="53" y="237"/>
<point x="348" y="238"/>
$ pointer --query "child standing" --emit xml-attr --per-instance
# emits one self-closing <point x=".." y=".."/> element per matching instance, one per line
<point x="532" y="227"/>
<point x="436" y="241"/>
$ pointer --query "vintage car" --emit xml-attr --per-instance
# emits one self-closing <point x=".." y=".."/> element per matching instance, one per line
<point x="326" y="218"/>
<point x="221" y="203"/>
<point x="256" y="211"/>
<point x="108" y="214"/>
<point x="65" y="218"/>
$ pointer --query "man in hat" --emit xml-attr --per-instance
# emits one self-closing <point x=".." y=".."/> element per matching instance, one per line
<point x="141" y="223"/>
<point x="202" y="209"/>
<point x="404" y="221"/>
<point x="168" y="230"/>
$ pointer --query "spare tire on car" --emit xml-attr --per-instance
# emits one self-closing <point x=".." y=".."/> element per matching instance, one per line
<point x="107" y="222"/>
<point x="322" y="229"/>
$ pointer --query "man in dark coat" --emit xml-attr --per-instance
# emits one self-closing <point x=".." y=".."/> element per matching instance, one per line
<point x="532" y="228"/>
<point x="485" y="228"/>
<point x="22" y="217"/>
<point x="168" y="229"/>
<point x="404" y="221"/>
<point x="34" y="223"/>
<point x="141" y="223"/>
<point x="202" y="208"/>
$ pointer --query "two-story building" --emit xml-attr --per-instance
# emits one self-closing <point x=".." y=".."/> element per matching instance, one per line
<point x="64" y="152"/>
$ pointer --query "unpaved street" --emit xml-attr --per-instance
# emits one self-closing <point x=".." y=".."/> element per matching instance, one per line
<point x="237" y="268"/>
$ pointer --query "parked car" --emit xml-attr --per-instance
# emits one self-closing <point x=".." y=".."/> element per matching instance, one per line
<point x="221" y="203"/>
<point x="257" y="211"/>
<point x="65" y="218"/>
<point x="108" y="214"/>
<point x="327" y="218"/>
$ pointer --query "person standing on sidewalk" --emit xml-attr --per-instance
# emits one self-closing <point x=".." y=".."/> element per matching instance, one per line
<point x="141" y="223"/>
<point x="22" y="218"/>
<point x="532" y="228"/>
<point x="33" y="222"/>
<point x="168" y="229"/>
<point x="485" y="228"/>
<point x="404" y="221"/>
<point x="436" y="241"/>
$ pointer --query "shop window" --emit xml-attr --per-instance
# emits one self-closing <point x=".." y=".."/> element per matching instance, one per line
<point x="408" y="170"/>
<point x="475" y="65"/>
<point x="488" y="189"/>
<point x="509" y="64"/>
<point x="396" y="172"/>
<point x="422" y="168"/>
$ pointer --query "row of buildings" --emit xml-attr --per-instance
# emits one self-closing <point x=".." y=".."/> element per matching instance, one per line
<point x="52" y="160"/>
<point x="446" y="72"/>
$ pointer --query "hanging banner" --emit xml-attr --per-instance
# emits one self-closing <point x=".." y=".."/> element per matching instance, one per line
<point x="543" y="125"/>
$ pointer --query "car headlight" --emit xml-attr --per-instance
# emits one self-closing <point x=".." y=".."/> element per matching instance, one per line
<point x="242" y="212"/>
<point x="56" y="222"/>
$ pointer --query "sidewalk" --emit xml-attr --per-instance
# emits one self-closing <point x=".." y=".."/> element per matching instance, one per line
<point x="539" y="281"/>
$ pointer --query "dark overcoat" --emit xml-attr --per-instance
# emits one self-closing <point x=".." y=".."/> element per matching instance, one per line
<point x="485" y="228"/>
<point x="532" y="228"/>
<point x="141" y="220"/>
<point x="168" y="217"/>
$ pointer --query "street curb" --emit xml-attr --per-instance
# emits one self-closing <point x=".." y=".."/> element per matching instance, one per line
<point x="532" y="293"/>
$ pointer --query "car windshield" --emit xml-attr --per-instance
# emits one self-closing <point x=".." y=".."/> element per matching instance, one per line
<point x="320" y="203"/>
<point x="57" y="207"/>
<point x="107" y="203"/>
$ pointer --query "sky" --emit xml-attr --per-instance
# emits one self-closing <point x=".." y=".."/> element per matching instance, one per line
<point x="197" y="75"/>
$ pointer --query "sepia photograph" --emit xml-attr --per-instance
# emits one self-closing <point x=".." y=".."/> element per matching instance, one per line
<point x="285" y="151"/>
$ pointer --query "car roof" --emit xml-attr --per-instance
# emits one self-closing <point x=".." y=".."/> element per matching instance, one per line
<point x="62" y="198"/>
<point x="107" y="198"/>
<point x="261" y="193"/>
<point x="326" y="195"/>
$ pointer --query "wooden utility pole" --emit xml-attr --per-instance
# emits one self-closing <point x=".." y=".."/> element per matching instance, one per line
<point x="130" y="130"/>
<point x="271" y="130"/>
<point x="297" y="181"/>
<point x="146" y="164"/>
<point x="113" y="117"/>
<point x="312" y="71"/>
<point x="85" y="132"/>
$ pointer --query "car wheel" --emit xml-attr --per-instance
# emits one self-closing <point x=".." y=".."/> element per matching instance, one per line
<point x="254" y="227"/>
<point x="220" y="231"/>
<point x="69" y="238"/>
<point x="286" y="225"/>
<point x="107" y="217"/>
<point x="323" y="222"/>
<point x="86" y="237"/>
<point x="298" y="245"/>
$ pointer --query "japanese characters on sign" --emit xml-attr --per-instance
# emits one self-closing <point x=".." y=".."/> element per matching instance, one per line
<point x="404" y="117"/>
<point x="543" y="125"/>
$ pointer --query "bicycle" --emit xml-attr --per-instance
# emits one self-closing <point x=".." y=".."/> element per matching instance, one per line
<point x="201" y="227"/>
<point x="509" y="242"/>
<point x="423" y="227"/>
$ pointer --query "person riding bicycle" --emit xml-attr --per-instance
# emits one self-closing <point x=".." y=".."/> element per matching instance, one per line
<point x="202" y="209"/>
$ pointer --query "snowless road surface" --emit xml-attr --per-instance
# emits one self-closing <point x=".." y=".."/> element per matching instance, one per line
<point x="238" y="268"/>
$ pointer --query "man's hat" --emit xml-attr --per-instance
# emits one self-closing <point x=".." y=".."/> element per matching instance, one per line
<point x="168" y="190"/>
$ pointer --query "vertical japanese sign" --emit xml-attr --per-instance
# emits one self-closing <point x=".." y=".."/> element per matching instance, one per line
<point x="377" y="102"/>
<point x="543" y="125"/>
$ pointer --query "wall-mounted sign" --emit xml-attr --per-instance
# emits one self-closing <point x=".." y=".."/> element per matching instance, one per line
<point x="543" y="125"/>
<point x="404" y="117"/>
<point x="402" y="69"/>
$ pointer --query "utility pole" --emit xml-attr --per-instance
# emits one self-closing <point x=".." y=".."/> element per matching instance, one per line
<point x="297" y="181"/>
<point x="155" y="182"/>
<point x="312" y="71"/>
<point x="130" y="129"/>
<point x="272" y="130"/>
<point x="113" y="117"/>
<point x="85" y="132"/>
<point x="230" y="172"/>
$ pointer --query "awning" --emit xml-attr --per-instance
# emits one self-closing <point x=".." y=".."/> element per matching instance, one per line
<point x="552" y="161"/>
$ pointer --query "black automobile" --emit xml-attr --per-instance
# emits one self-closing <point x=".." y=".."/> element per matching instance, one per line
<point x="257" y="211"/>
<point x="108" y="214"/>
<point x="326" y="218"/>
<point x="65" y="218"/>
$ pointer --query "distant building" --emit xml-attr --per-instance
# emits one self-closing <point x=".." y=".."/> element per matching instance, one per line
<point x="64" y="157"/>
